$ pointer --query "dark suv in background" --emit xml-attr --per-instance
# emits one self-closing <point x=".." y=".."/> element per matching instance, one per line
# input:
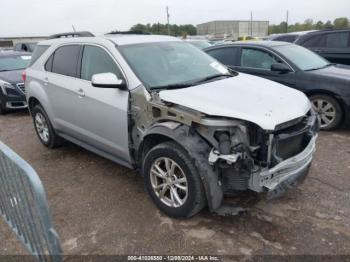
<point x="334" y="45"/>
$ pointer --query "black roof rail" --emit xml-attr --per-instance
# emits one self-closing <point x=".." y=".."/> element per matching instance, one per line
<point x="128" y="33"/>
<point x="72" y="34"/>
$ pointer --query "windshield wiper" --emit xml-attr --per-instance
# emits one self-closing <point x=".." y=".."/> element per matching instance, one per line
<point x="190" y="83"/>
<point x="318" y="68"/>
<point x="173" y="86"/>
<point x="208" y="78"/>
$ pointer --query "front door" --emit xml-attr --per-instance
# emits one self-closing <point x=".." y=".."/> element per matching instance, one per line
<point x="258" y="62"/>
<point x="102" y="113"/>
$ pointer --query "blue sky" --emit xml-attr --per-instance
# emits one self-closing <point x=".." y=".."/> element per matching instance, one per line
<point x="44" y="17"/>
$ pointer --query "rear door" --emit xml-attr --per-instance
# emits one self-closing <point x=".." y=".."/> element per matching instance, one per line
<point x="258" y="62"/>
<point x="337" y="47"/>
<point x="61" y="85"/>
<point x="226" y="55"/>
<point x="102" y="113"/>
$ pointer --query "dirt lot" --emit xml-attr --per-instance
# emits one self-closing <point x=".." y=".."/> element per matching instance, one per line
<point x="100" y="207"/>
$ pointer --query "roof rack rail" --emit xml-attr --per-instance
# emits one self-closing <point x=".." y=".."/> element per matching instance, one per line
<point x="72" y="34"/>
<point x="128" y="33"/>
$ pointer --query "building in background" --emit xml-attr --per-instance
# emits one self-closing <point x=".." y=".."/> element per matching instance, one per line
<point x="233" y="29"/>
<point x="9" y="42"/>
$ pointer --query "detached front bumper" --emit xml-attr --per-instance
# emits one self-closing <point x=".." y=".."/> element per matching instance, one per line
<point x="284" y="175"/>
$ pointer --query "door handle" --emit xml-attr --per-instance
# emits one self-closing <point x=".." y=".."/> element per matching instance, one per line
<point x="46" y="81"/>
<point x="81" y="92"/>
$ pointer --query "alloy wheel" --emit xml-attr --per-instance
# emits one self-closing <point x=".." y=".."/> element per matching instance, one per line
<point x="42" y="127"/>
<point x="325" y="110"/>
<point x="169" y="182"/>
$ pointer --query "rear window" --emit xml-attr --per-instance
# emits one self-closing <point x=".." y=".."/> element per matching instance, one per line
<point x="65" y="60"/>
<point x="38" y="51"/>
<point x="226" y="55"/>
<point x="337" y="40"/>
<point x="315" y="41"/>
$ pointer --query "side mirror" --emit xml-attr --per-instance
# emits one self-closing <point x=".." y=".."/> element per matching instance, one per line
<point x="107" y="80"/>
<point x="281" y="68"/>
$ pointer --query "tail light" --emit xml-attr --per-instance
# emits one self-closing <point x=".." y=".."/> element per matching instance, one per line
<point x="24" y="76"/>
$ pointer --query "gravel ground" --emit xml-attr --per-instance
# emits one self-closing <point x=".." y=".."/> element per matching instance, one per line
<point x="99" y="207"/>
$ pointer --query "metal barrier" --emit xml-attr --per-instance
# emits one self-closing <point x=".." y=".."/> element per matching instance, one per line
<point x="24" y="207"/>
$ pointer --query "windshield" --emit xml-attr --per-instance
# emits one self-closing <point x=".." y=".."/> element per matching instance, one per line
<point x="170" y="63"/>
<point x="303" y="58"/>
<point x="11" y="63"/>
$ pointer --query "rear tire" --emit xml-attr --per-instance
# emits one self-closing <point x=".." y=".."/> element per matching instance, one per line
<point x="329" y="111"/>
<point x="173" y="181"/>
<point x="44" y="129"/>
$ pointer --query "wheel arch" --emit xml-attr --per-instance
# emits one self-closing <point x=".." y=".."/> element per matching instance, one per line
<point x="198" y="150"/>
<point x="32" y="101"/>
<point x="333" y="95"/>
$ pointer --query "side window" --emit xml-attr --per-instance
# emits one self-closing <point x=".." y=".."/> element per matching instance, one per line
<point x="259" y="59"/>
<point x="226" y="55"/>
<point x="65" y="60"/>
<point x="337" y="40"/>
<point x="96" y="61"/>
<point x="38" y="51"/>
<point x="315" y="41"/>
<point x="48" y="64"/>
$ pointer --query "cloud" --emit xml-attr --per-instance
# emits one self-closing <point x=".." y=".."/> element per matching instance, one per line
<point x="45" y="17"/>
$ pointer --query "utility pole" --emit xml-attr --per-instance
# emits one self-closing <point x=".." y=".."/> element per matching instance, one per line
<point x="168" y="17"/>
<point x="287" y="21"/>
<point x="251" y="23"/>
<point x="73" y="28"/>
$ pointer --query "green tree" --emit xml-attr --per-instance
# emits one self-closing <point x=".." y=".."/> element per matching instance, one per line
<point x="341" y="22"/>
<point x="162" y="29"/>
<point x="328" y="25"/>
<point x="319" y="25"/>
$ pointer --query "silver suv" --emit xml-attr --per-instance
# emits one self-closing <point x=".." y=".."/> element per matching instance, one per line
<point x="196" y="131"/>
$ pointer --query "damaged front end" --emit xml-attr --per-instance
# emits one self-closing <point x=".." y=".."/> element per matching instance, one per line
<point x="273" y="162"/>
<point x="231" y="155"/>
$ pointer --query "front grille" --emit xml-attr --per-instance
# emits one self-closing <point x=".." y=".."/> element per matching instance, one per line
<point x="291" y="146"/>
<point x="292" y="140"/>
<point x="21" y="87"/>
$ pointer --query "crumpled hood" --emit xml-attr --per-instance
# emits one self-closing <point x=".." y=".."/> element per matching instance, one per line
<point x="244" y="97"/>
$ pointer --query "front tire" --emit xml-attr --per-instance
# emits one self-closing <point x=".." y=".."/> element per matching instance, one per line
<point x="329" y="111"/>
<point x="173" y="181"/>
<point x="44" y="129"/>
